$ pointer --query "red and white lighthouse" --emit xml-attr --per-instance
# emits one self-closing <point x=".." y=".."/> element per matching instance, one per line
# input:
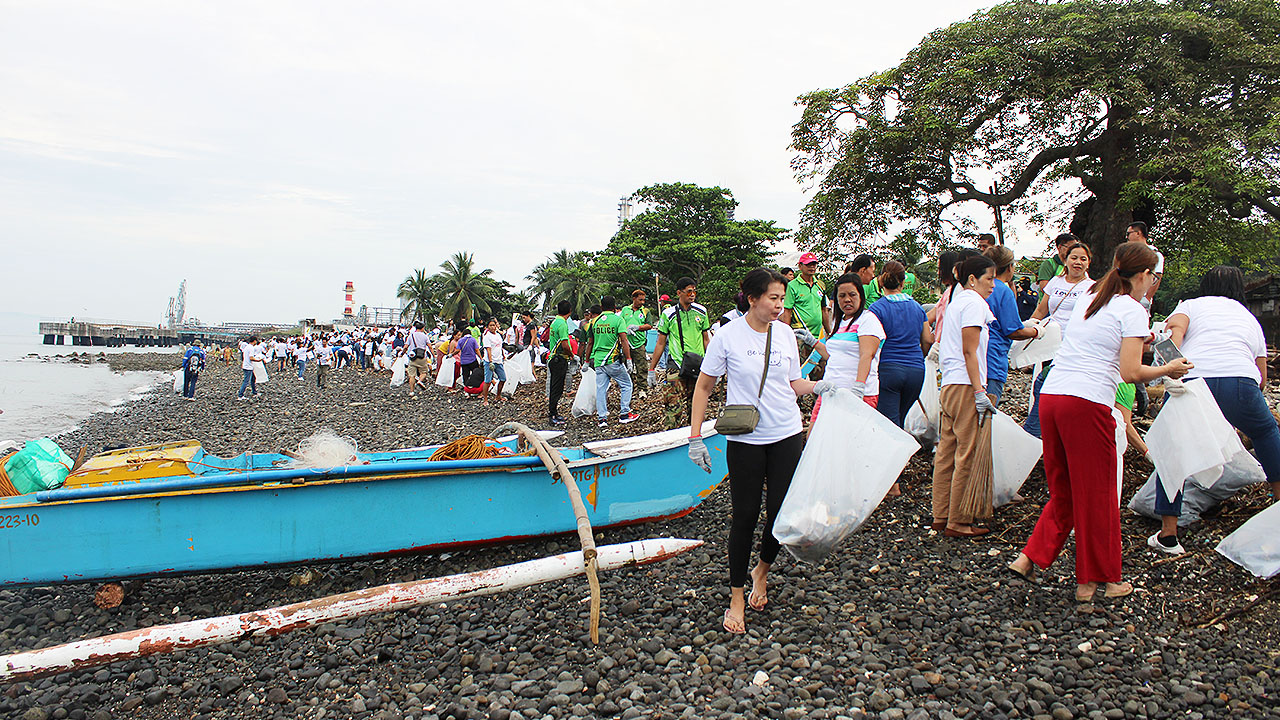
<point x="348" y="307"/>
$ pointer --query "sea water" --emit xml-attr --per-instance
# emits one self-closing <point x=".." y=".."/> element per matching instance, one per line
<point x="42" y="395"/>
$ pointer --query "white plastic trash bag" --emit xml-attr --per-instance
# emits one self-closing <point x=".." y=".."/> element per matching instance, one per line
<point x="853" y="456"/>
<point x="520" y="368"/>
<point x="1122" y="445"/>
<point x="922" y="419"/>
<point x="584" y="402"/>
<point x="1240" y="473"/>
<point x="398" y="370"/>
<point x="1256" y="545"/>
<point x="1025" y="353"/>
<point x="260" y="372"/>
<point x="177" y="381"/>
<point x="1190" y="437"/>
<point x="444" y="377"/>
<point x="1014" y="453"/>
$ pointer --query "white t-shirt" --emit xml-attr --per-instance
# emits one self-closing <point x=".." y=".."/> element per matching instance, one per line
<point x="325" y="355"/>
<point x="1159" y="263"/>
<point x="737" y="351"/>
<point x="1063" y="296"/>
<point x="1088" y="363"/>
<point x="846" y="352"/>
<point x="300" y="352"/>
<point x="493" y="341"/>
<point x="966" y="309"/>
<point x="248" y="353"/>
<point x="1223" y="338"/>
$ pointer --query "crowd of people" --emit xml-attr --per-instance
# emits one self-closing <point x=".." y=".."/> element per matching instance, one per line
<point x="870" y="336"/>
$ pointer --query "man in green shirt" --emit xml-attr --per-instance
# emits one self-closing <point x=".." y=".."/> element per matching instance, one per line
<point x="805" y="304"/>
<point x="610" y="354"/>
<point x="558" y="360"/>
<point x="688" y="323"/>
<point x="1054" y="265"/>
<point x="636" y="317"/>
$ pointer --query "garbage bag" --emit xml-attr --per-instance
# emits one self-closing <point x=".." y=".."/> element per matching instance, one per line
<point x="1014" y="453"/>
<point x="398" y="370"/>
<point x="852" y="458"/>
<point x="520" y="368"/>
<point x="1025" y="353"/>
<point x="260" y="371"/>
<point x="177" y="381"/>
<point x="39" y="465"/>
<point x="584" y="402"/>
<point x="1255" y="546"/>
<point x="1122" y="445"/>
<point x="445" y="375"/>
<point x="922" y="418"/>
<point x="1243" y="471"/>
<point x="1191" y="437"/>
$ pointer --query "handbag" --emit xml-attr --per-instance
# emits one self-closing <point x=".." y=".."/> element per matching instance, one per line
<point x="742" y="419"/>
<point x="690" y="362"/>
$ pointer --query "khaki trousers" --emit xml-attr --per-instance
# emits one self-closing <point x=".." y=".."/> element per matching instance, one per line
<point x="953" y="460"/>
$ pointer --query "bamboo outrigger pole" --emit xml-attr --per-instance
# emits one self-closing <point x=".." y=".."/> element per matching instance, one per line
<point x="560" y="471"/>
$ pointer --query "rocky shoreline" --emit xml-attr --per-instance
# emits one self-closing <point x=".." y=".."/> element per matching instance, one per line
<point x="898" y="623"/>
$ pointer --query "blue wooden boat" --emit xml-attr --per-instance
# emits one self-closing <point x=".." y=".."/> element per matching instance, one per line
<point x="183" y="511"/>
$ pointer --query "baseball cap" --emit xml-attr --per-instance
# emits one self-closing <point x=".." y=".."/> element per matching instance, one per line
<point x="808" y="258"/>
<point x="665" y="298"/>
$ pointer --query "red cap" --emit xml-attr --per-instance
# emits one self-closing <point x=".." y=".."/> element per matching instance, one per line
<point x="808" y="258"/>
<point x="665" y="298"/>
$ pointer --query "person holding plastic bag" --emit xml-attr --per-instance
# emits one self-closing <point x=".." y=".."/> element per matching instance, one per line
<point x="1061" y="294"/>
<point x="964" y="399"/>
<point x="1218" y="334"/>
<point x="907" y="338"/>
<point x="757" y="355"/>
<point x="1108" y="330"/>
<point x="558" y="360"/>
<point x="1008" y="324"/>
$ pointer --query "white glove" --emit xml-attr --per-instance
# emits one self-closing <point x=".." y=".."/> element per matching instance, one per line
<point x="858" y="388"/>
<point x="1036" y="327"/>
<point x="824" y="387"/>
<point x="630" y="366"/>
<point x="803" y="335"/>
<point x="1174" y="387"/>
<point x="698" y="454"/>
<point x="652" y="378"/>
<point x="632" y="328"/>
<point x="983" y="402"/>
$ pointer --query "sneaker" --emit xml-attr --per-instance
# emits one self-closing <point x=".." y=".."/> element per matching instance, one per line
<point x="242" y="398"/>
<point x="557" y="420"/>
<point x="628" y="418"/>
<point x="1175" y="549"/>
<point x="604" y="423"/>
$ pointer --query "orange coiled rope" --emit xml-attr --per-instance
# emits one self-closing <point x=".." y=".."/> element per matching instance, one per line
<point x="471" y="447"/>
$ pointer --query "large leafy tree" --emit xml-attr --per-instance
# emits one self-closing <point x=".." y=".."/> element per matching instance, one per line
<point x="464" y="291"/>
<point x="1108" y="109"/>
<point x="687" y="230"/>
<point x="418" y="292"/>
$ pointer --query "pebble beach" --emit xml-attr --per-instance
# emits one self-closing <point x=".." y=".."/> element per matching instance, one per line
<point x="898" y="623"/>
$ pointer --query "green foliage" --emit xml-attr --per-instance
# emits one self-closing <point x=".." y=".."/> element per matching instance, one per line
<point x="464" y="293"/>
<point x="418" y="293"/>
<point x="1170" y="105"/>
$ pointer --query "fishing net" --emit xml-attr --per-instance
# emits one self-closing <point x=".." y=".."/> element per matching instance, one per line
<point x="325" y="449"/>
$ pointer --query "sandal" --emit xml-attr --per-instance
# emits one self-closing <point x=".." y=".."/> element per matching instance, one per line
<point x="1117" y="590"/>
<point x="938" y="525"/>
<point x="730" y="630"/>
<point x="972" y="533"/>
<point x="1029" y="575"/>
<point x="751" y="600"/>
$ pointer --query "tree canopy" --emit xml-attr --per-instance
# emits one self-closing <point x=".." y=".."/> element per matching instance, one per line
<point x="1162" y="111"/>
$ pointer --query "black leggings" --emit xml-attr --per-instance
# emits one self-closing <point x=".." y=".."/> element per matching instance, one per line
<point x="559" y="368"/>
<point x="749" y="466"/>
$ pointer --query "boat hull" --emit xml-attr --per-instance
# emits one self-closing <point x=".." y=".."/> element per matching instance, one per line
<point x="256" y="525"/>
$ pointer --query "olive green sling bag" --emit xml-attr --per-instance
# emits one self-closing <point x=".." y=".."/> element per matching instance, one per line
<point x="742" y="419"/>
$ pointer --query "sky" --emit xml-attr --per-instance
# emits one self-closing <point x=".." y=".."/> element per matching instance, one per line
<point x="268" y="153"/>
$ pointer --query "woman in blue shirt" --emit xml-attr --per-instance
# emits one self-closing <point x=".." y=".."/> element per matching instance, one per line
<point x="1008" y="324"/>
<point x="907" y="339"/>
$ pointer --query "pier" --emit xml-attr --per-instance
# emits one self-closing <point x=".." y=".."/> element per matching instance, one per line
<point x="108" y="334"/>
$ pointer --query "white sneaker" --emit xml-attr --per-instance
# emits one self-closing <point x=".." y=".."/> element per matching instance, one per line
<point x="1154" y="542"/>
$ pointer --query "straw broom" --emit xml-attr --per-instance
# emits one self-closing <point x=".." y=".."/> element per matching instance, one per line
<point x="976" y="500"/>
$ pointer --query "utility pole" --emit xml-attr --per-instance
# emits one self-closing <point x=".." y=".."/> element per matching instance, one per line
<point x="999" y="216"/>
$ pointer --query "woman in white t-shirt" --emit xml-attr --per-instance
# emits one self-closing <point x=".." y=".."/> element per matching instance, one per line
<point x="853" y="348"/>
<point x="1108" y="331"/>
<point x="1057" y="304"/>
<point x="964" y="400"/>
<point x="1223" y="339"/>
<point x="494" y="360"/>
<point x="764" y="459"/>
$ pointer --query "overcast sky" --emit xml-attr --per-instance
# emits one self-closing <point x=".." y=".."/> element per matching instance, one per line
<point x="270" y="152"/>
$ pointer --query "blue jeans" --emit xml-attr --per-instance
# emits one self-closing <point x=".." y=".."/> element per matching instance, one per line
<point x="1032" y="425"/>
<point x="1244" y="407"/>
<point x="189" y="383"/>
<point x="617" y="373"/>
<point x="494" y="370"/>
<point x="249" y="382"/>
<point x="995" y="388"/>
<point x="899" y="389"/>
<point x="302" y="368"/>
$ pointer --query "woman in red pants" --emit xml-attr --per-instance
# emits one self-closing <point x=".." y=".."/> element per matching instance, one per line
<point x="1108" y="330"/>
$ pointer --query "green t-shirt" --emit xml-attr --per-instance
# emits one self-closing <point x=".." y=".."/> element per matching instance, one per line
<point x="605" y="330"/>
<point x="631" y="316"/>
<point x="909" y="284"/>
<point x="805" y="302"/>
<point x="873" y="292"/>
<point x="1050" y="268"/>
<point x="560" y="331"/>
<point x="694" y="321"/>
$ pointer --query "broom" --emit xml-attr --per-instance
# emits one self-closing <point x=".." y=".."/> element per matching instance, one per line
<point x="976" y="500"/>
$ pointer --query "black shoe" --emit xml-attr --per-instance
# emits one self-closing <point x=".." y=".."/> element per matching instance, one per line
<point x="557" y="420"/>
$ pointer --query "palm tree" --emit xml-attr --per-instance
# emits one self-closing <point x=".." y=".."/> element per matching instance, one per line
<point x="579" y="286"/>
<point x="549" y="273"/>
<point x="463" y="291"/>
<point x="418" y="293"/>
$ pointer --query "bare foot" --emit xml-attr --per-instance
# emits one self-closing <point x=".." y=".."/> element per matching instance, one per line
<point x="735" y="616"/>
<point x="895" y="491"/>
<point x="759" y="587"/>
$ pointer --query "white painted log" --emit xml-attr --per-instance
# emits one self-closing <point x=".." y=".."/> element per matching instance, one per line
<point x="278" y="620"/>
